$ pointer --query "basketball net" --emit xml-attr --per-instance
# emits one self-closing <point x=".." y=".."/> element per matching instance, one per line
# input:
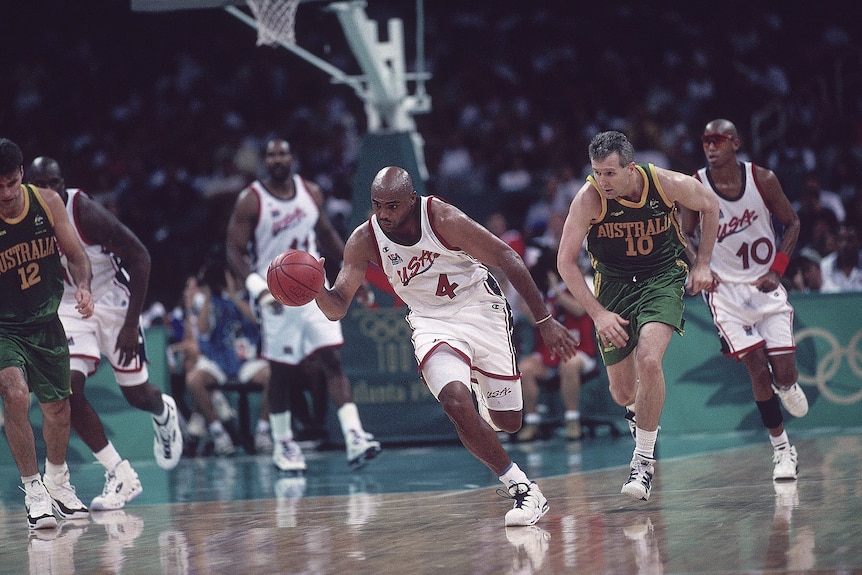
<point x="275" y="20"/>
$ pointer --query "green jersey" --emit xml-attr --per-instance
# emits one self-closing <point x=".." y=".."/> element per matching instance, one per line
<point x="31" y="274"/>
<point x="633" y="240"/>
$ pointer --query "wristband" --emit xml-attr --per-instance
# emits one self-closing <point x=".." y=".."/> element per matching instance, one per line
<point x="544" y="319"/>
<point x="255" y="284"/>
<point x="779" y="264"/>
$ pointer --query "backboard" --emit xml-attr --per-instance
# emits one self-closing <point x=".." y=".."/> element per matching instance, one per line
<point x="383" y="86"/>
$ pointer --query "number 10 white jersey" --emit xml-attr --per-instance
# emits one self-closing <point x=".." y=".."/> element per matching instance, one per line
<point x="745" y="246"/>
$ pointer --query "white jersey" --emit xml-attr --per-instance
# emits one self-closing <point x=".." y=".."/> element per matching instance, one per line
<point x="746" y="244"/>
<point x="108" y="273"/>
<point x="91" y="338"/>
<point x="284" y="224"/>
<point x="433" y="278"/>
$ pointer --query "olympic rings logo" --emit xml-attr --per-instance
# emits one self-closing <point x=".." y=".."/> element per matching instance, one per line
<point x="381" y="325"/>
<point x="830" y="363"/>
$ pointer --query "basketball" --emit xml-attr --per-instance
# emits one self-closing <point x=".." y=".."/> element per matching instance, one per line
<point x="294" y="277"/>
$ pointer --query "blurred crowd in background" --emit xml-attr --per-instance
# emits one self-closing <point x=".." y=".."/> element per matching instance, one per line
<point x="163" y="116"/>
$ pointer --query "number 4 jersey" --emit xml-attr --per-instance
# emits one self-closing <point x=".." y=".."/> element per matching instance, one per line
<point x="745" y="245"/>
<point x="432" y="278"/>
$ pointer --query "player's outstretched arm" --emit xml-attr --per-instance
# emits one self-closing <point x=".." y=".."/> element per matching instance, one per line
<point x="102" y="227"/>
<point x="358" y="251"/>
<point x="79" y="263"/>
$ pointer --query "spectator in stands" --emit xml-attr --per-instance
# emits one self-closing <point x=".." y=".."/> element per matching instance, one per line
<point x="540" y="210"/>
<point x="815" y="197"/>
<point x="540" y="365"/>
<point x="804" y="274"/>
<point x="228" y="342"/>
<point x="841" y="269"/>
<point x="818" y="230"/>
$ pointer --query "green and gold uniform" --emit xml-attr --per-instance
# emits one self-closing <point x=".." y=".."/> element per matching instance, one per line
<point x="636" y="250"/>
<point x="31" y="281"/>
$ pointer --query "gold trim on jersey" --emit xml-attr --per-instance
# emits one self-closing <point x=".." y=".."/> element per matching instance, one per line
<point x="602" y="197"/>
<point x="17" y="219"/>
<point x="44" y="205"/>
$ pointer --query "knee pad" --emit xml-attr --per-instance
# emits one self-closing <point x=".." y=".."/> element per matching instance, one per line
<point x="770" y="412"/>
<point x="445" y="366"/>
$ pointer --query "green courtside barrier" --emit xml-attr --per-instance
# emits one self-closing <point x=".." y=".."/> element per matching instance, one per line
<point x="706" y="391"/>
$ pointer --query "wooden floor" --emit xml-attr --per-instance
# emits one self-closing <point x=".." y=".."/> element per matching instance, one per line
<point x="434" y="510"/>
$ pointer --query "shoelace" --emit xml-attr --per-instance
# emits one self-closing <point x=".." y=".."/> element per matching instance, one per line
<point x="110" y="480"/>
<point x="519" y="496"/>
<point x="637" y="470"/>
<point x="35" y="496"/>
<point x="291" y="451"/>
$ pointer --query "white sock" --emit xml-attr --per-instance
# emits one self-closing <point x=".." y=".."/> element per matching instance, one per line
<point x="53" y="471"/>
<point x="780" y="440"/>
<point x="262" y="426"/>
<point x="513" y="474"/>
<point x="645" y="443"/>
<point x="108" y="457"/>
<point x="30" y="479"/>
<point x="573" y="415"/>
<point x="216" y="428"/>
<point x="348" y="416"/>
<point x="281" y="429"/>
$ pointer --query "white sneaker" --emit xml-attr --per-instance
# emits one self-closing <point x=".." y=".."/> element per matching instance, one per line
<point x="37" y="500"/>
<point x="633" y="426"/>
<point x="168" y="443"/>
<point x="197" y="426"/>
<point x="639" y="483"/>
<point x="785" y="460"/>
<point x="287" y="456"/>
<point x="66" y="503"/>
<point x="222" y="444"/>
<point x="121" y="486"/>
<point x="529" y="507"/>
<point x="361" y="448"/>
<point x="263" y="442"/>
<point x="793" y="399"/>
<point x="222" y="406"/>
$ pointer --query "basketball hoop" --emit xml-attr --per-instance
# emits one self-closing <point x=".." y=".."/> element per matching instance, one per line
<point x="275" y="20"/>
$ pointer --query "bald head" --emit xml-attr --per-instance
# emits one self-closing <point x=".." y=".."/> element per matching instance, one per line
<point x="44" y="172"/>
<point x="391" y="181"/>
<point x="721" y="126"/>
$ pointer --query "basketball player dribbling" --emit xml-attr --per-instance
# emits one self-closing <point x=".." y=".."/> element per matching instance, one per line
<point x="436" y="259"/>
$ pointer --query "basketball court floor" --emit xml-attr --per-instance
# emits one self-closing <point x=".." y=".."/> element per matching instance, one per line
<point x="435" y="510"/>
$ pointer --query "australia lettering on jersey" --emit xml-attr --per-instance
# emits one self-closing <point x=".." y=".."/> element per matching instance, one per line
<point x="24" y="252"/>
<point x="417" y="265"/>
<point x="650" y="227"/>
<point x="287" y="221"/>
<point x="736" y="224"/>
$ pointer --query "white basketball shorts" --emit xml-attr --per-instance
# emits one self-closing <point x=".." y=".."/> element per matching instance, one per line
<point x="291" y="334"/>
<point x="747" y="318"/>
<point x="96" y="336"/>
<point x="481" y="335"/>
